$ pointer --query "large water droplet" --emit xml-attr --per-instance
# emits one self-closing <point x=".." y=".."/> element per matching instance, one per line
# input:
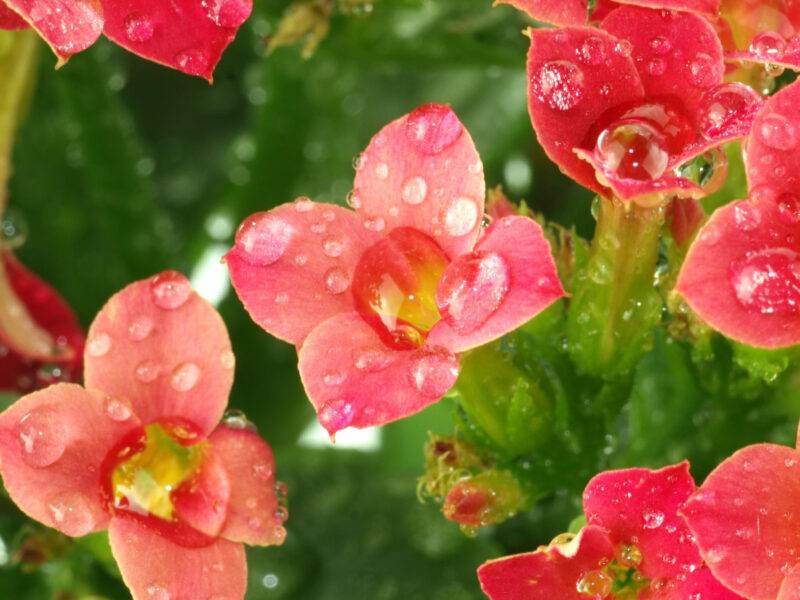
<point x="595" y="584"/>
<point x="414" y="191"/>
<point x="559" y="84"/>
<point x="592" y="51"/>
<point x="660" y="45"/>
<point x="138" y="27"/>
<point x="336" y="280"/>
<point x="72" y="513"/>
<point x="724" y="106"/>
<point x="768" y="281"/>
<point x="776" y="131"/>
<point x="184" y="377"/>
<point x="768" y="44"/>
<point x="262" y="238"/>
<point x="170" y="290"/>
<point x="227" y="13"/>
<point x="140" y="328"/>
<point x="353" y="200"/>
<point x="789" y="209"/>
<point x="656" y="66"/>
<point x="652" y="519"/>
<point x="118" y="409"/>
<point x="147" y="371"/>
<point x="704" y="71"/>
<point x="461" y="217"/>
<point x="433" y="371"/>
<point x="336" y="414"/>
<point x="432" y="128"/>
<point x="192" y="61"/>
<point x="633" y="150"/>
<point x="471" y="289"/>
<point x="371" y="359"/>
<point x="98" y="345"/>
<point x="41" y="435"/>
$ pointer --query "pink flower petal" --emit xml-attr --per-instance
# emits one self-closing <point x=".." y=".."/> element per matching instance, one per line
<point x="742" y="273"/>
<point x="708" y="8"/>
<point x="11" y="20"/>
<point x="557" y="12"/>
<point x="697" y="585"/>
<point x="772" y="151"/>
<point x="790" y="588"/>
<point x="354" y="380"/>
<point x="509" y="278"/>
<point x="575" y="76"/>
<point x="183" y="34"/>
<point x="550" y="573"/>
<point x="678" y="54"/>
<point x="640" y="507"/>
<point x="292" y="266"/>
<point x="743" y="519"/>
<point x="52" y="446"/>
<point x="163" y="347"/>
<point x="685" y="216"/>
<point x="254" y="516"/>
<point x="202" y="501"/>
<point x="423" y="171"/>
<point x="68" y="26"/>
<point x="155" y="568"/>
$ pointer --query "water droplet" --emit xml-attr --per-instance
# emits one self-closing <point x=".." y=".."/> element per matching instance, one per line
<point x="41" y="435"/>
<point x="746" y="216"/>
<point x="185" y="377"/>
<point x="596" y="584"/>
<point x="227" y="13"/>
<point x="593" y="50"/>
<point x="704" y="71"/>
<point x="262" y="238"/>
<point x="633" y="150"/>
<point x="140" y="328"/>
<point x="623" y="48"/>
<point x="471" y="289"/>
<point x="725" y="106"/>
<point x="656" y="66"/>
<point x="559" y="84"/>
<point x="336" y="414"/>
<point x="13" y="229"/>
<point x="768" y="44"/>
<point x="359" y="160"/>
<point x="776" y="131"/>
<point x="334" y="378"/>
<point x="303" y="204"/>
<point x="353" y="200"/>
<point x="262" y="471"/>
<point x="336" y="280"/>
<point x="227" y="359"/>
<point x="789" y="209"/>
<point x="118" y="409"/>
<point x="461" y="217"/>
<point x="432" y="128"/>
<point x="170" y="290"/>
<point x="301" y="259"/>
<point x="660" y="45"/>
<point x="138" y="27"/>
<point x="236" y="419"/>
<point x="99" y="345"/>
<point x="333" y="246"/>
<point x="147" y="371"/>
<point x="375" y="223"/>
<point x="72" y="513"/>
<point x="768" y="281"/>
<point x="433" y="371"/>
<point x="382" y="171"/>
<point x="371" y="359"/>
<point x="157" y="592"/>
<point x="629" y="555"/>
<point x="652" y="519"/>
<point x="414" y="191"/>
<point x="192" y="61"/>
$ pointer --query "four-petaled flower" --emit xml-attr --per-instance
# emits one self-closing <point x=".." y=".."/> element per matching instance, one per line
<point x="188" y="35"/>
<point x="379" y="300"/>
<point x="140" y="450"/>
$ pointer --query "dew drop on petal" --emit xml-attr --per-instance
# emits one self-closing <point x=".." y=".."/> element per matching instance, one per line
<point x="656" y="66"/>
<point x="333" y="378"/>
<point x="559" y="84"/>
<point x="789" y="208"/>
<point x="227" y="13"/>
<point x="72" y="513"/>
<point x="98" y="345"/>
<point x="140" y="328"/>
<point x="768" y="281"/>
<point x="432" y="128"/>
<point x="333" y="246"/>
<point x="461" y="217"/>
<point x="170" y="290"/>
<point x="777" y="132"/>
<point x="414" y="191"/>
<point x="704" y="71"/>
<point x="138" y="27"/>
<point x="118" y="409"/>
<point x="724" y="106"/>
<point x="156" y="591"/>
<point x="192" y="61"/>
<point x="433" y="371"/>
<point x="633" y="150"/>
<point x="375" y="224"/>
<point x="147" y="371"/>
<point x="336" y="280"/>
<point x="382" y="171"/>
<point x="660" y="45"/>
<point x="336" y="414"/>
<point x="652" y="519"/>
<point x="592" y="51"/>
<point x="353" y="200"/>
<point x="41" y="435"/>
<point x="227" y="359"/>
<point x="746" y="216"/>
<point x="303" y="204"/>
<point x="262" y="238"/>
<point x="184" y="377"/>
<point x="371" y="359"/>
<point x="768" y="43"/>
<point x="595" y="584"/>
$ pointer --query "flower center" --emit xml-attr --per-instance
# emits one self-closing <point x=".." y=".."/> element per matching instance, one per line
<point x="394" y="286"/>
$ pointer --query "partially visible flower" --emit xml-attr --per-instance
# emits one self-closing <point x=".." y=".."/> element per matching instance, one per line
<point x="635" y="546"/>
<point x="624" y="109"/>
<point x="380" y="300"/>
<point x="490" y="497"/>
<point x="187" y="35"/>
<point x="140" y="451"/>
<point x="742" y="273"/>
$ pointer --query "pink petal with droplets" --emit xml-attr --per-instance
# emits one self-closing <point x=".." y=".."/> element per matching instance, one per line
<point x="697" y="585"/>
<point x="557" y="12"/>
<point x="11" y="20"/>
<point x="354" y="380"/>
<point x="423" y="171"/>
<point x="292" y="266"/>
<point x="253" y="513"/>
<point x="52" y="445"/>
<point x="202" y="501"/>
<point x="787" y="60"/>
<point x="549" y="573"/>
<point x="743" y="519"/>
<point x="677" y="54"/>
<point x="68" y="26"/>
<point x="155" y="568"/>
<point x="165" y="348"/>
<point x="742" y="273"/>
<point x="708" y="8"/>
<point x="509" y="279"/>
<point x="575" y="75"/>
<point x="183" y="34"/>
<point x="640" y="507"/>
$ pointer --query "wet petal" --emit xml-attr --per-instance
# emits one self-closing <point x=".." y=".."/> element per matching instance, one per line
<point x="557" y="12"/>
<point x="202" y="501"/>
<point x="165" y="348"/>
<point x="354" y="380"/>
<point x="790" y="588"/>
<point x="639" y="507"/>
<point x="423" y="171"/>
<point x="744" y="518"/>
<point x="52" y="445"/>
<point x="254" y="516"/>
<point x="183" y="34"/>
<point x="742" y="272"/>
<point x="11" y="20"/>
<point x="697" y="585"/>
<point x="550" y="572"/>
<point x="505" y="282"/>
<point x="155" y="568"/>
<point x="709" y="8"/>
<point x="575" y="75"/>
<point x="292" y="266"/>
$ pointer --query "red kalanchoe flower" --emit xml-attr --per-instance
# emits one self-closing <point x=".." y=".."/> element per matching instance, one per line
<point x="41" y="341"/>
<point x="139" y="451"/>
<point x="635" y="546"/>
<point x="743" y="517"/>
<point x="380" y="300"/>
<point x="629" y="104"/>
<point x="742" y="273"/>
<point x="188" y="35"/>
